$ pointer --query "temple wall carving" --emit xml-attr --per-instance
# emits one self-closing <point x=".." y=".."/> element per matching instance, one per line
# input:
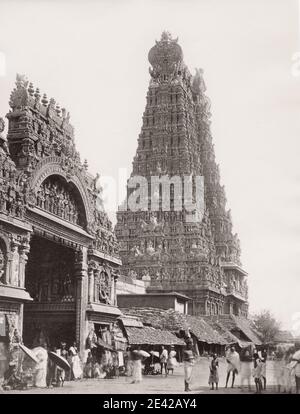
<point x="13" y="259"/>
<point x="159" y="245"/>
<point x="51" y="216"/>
<point x="101" y="283"/>
<point x="55" y="197"/>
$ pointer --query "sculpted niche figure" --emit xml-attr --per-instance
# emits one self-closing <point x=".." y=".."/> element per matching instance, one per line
<point x="2" y="266"/>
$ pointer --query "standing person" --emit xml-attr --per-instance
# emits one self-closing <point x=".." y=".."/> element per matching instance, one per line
<point x="75" y="362"/>
<point x="115" y="364"/>
<point x="128" y="362"/>
<point x="213" y="372"/>
<point x="40" y="372"/>
<point x="88" y="369"/>
<point x="148" y="365"/>
<point x="233" y="360"/>
<point x="136" y="367"/>
<point x="297" y="375"/>
<point x="188" y="359"/>
<point x="257" y="373"/>
<point x="246" y="362"/>
<point x="172" y="361"/>
<point x="51" y="371"/>
<point x="287" y="371"/>
<point x="264" y="356"/>
<point x="61" y="373"/>
<point x="279" y="371"/>
<point x="163" y="360"/>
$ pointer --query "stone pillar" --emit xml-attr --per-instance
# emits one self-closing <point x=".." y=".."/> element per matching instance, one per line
<point x="207" y="307"/>
<point x="21" y="315"/>
<point x="23" y="251"/>
<point x="81" y="297"/>
<point x="91" y="285"/>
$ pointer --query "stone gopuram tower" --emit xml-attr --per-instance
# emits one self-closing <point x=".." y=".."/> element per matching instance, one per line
<point x="59" y="256"/>
<point x="199" y="259"/>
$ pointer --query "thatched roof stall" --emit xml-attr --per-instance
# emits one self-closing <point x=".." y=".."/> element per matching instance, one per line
<point x="151" y="336"/>
<point x="138" y="334"/>
<point x="240" y="327"/>
<point x="173" y="321"/>
<point x="227" y="335"/>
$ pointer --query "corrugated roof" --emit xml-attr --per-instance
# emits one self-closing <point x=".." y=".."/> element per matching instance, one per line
<point x="151" y="336"/>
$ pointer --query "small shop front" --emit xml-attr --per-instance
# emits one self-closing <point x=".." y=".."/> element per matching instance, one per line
<point x="105" y="344"/>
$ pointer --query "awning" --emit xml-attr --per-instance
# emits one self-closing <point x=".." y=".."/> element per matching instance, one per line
<point x="104" y="309"/>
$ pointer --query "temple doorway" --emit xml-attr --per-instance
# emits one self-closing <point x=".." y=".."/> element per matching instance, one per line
<point x="50" y="281"/>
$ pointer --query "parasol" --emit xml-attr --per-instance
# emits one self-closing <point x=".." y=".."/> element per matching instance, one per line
<point x="59" y="360"/>
<point x="292" y="364"/>
<point x="155" y="353"/>
<point x="29" y="353"/>
<point x="142" y="353"/>
<point x="104" y="345"/>
<point x="296" y="355"/>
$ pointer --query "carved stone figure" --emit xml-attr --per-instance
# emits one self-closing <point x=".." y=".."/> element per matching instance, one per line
<point x="104" y="287"/>
<point x="2" y="265"/>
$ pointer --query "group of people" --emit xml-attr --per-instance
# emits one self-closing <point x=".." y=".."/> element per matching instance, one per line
<point x="287" y="370"/>
<point x="57" y="375"/>
<point x="167" y="360"/>
<point x="44" y="372"/>
<point x="48" y="373"/>
<point x="154" y="362"/>
<point x="251" y="363"/>
<point x="248" y="364"/>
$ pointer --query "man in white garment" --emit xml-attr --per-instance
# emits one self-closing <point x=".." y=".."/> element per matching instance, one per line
<point x="233" y="367"/>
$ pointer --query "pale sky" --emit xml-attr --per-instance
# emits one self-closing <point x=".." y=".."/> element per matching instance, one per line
<point x="91" y="56"/>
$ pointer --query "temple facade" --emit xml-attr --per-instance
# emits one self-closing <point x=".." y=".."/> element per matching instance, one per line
<point x="59" y="257"/>
<point x="162" y="246"/>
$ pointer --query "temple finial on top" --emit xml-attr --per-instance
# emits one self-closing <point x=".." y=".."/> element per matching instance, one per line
<point x="167" y="37"/>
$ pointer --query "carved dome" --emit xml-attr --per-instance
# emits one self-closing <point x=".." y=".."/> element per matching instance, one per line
<point x="166" y="55"/>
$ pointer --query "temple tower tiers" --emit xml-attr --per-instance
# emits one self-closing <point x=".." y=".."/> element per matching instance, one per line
<point x="202" y="258"/>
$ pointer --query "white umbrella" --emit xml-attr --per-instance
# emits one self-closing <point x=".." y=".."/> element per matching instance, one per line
<point x="29" y="353"/>
<point x="297" y="355"/>
<point x="142" y="353"/>
<point x="155" y="353"/>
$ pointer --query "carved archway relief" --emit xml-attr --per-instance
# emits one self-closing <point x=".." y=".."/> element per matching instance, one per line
<point x="51" y="166"/>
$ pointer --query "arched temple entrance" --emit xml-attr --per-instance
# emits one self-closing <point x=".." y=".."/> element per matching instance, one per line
<point x="50" y="275"/>
<point x="50" y="281"/>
